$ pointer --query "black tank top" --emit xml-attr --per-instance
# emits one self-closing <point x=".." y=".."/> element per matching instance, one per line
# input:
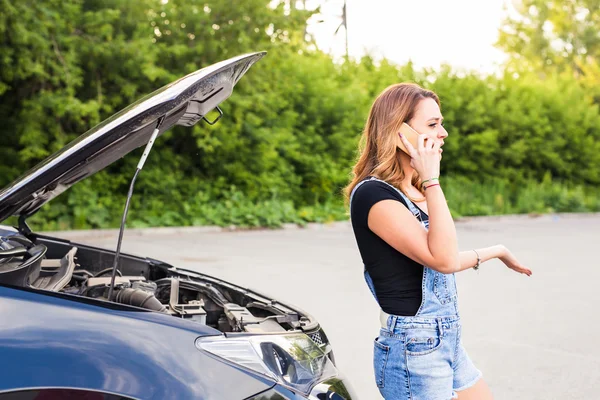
<point x="397" y="279"/>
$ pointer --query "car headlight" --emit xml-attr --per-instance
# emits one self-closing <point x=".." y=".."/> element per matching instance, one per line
<point x="294" y="360"/>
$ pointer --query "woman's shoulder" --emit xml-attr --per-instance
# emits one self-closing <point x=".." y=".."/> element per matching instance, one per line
<point x="372" y="190"/>
<point x="371" y="183"/>
<point x="366" y="196"/>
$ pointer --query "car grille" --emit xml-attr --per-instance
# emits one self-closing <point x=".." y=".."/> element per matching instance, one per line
<point x="318" y="338"/>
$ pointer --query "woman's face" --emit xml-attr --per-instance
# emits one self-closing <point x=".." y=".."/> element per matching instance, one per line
<point x="427" y="120"/>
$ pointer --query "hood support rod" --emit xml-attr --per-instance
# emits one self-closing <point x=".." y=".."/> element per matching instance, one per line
<point x="137" y="171"/>
<point x="23" y="227"/>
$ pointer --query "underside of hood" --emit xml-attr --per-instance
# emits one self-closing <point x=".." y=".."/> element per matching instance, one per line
<point x="183" y="102"/>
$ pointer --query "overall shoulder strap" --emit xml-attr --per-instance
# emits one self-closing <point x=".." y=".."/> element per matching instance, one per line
<point x="413" y="209"/>
<point x="359" y="184"/>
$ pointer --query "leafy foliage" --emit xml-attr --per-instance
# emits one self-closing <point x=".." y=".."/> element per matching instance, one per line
<point x="547" y="38"/>
<point x="286" y="145"/>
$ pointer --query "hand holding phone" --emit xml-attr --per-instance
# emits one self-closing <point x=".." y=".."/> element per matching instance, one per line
<point x="410" y="134"/>
<point x="425" y="156"/>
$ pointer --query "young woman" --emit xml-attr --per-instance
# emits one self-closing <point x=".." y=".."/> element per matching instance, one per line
<point x="407" y="241"/>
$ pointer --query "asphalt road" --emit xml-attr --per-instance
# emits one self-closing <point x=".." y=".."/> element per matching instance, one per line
<point x="533" y="337"/>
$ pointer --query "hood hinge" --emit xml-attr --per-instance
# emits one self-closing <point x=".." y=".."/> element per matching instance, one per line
<point x="23" y="227"/>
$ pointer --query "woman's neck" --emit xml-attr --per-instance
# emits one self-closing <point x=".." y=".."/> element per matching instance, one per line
<point x="409" y="171"/>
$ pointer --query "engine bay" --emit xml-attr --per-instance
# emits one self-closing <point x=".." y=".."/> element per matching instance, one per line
<point x="50" y="264"/>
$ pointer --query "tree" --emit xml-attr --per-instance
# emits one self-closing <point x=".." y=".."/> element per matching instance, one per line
<point x="553" y="36"/>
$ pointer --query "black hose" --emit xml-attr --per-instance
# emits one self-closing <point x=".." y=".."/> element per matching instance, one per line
<point x="22" y="240"/>
<point x="105" y="271"/>
<point x="83" y="271"/>
<point x="139" y="298"/>
<point x="13" y="252"/>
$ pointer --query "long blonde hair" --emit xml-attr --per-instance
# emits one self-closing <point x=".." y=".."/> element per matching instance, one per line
<point x="378" y="154"/>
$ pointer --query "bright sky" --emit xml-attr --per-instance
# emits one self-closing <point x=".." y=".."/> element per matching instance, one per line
<point x="428" y="32"/>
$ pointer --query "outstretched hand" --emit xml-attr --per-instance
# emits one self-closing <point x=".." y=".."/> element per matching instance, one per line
<point x="511" y="262"/>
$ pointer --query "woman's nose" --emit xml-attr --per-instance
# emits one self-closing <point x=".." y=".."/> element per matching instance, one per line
<point x="442" y="133"/>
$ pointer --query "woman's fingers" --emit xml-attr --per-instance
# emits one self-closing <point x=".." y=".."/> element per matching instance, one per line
<point x="427" y="143"/>
<point x="522" y="270"/>
<point x="526" y="272"/>
<point x="421" y="143"/>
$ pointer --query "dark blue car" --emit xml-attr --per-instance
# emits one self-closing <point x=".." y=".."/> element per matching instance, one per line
<point x="82" y="322"/>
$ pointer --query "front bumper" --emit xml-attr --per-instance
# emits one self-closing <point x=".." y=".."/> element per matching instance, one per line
<point x="331" y="389"/>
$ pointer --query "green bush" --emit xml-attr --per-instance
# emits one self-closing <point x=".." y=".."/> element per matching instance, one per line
<point x="285" y="147"/>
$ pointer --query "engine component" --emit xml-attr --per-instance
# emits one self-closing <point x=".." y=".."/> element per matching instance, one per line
<point x="243" y="320"/>
<point x="13" y="252"/>
<point x="139" y="298"/>
<point x="193" y="310"/>
<point x="105" y="281"/>
<point x="54" y="275"/>
<point x="149" y="287"/>
<point x="223" y="324"/>
<point x="119" y="280"/>
<point x="240" y="315"/>
<point x="265" y="326"/>
<point x="212" y="292"/>
<point x="17" y="272"/>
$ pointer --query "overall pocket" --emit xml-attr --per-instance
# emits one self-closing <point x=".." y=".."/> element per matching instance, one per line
<point x="420" y="342"/>
<point x="444" y="287"/>
<point x="380" y="358"/>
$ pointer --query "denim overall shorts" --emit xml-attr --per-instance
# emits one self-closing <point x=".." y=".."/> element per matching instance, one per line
<point x="421" y="357"/>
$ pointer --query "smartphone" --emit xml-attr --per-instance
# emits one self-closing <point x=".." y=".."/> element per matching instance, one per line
<point x="410" y="134"/>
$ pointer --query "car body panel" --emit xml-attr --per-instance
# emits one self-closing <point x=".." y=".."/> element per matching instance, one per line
<point x="54" y="341"/>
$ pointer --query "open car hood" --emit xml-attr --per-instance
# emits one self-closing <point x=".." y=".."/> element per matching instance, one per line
<point x="183" y="102"/>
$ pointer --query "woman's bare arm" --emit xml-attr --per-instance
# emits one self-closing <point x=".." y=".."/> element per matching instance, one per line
<point x="436" y="248"/>
<point x="468" y="259"/>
